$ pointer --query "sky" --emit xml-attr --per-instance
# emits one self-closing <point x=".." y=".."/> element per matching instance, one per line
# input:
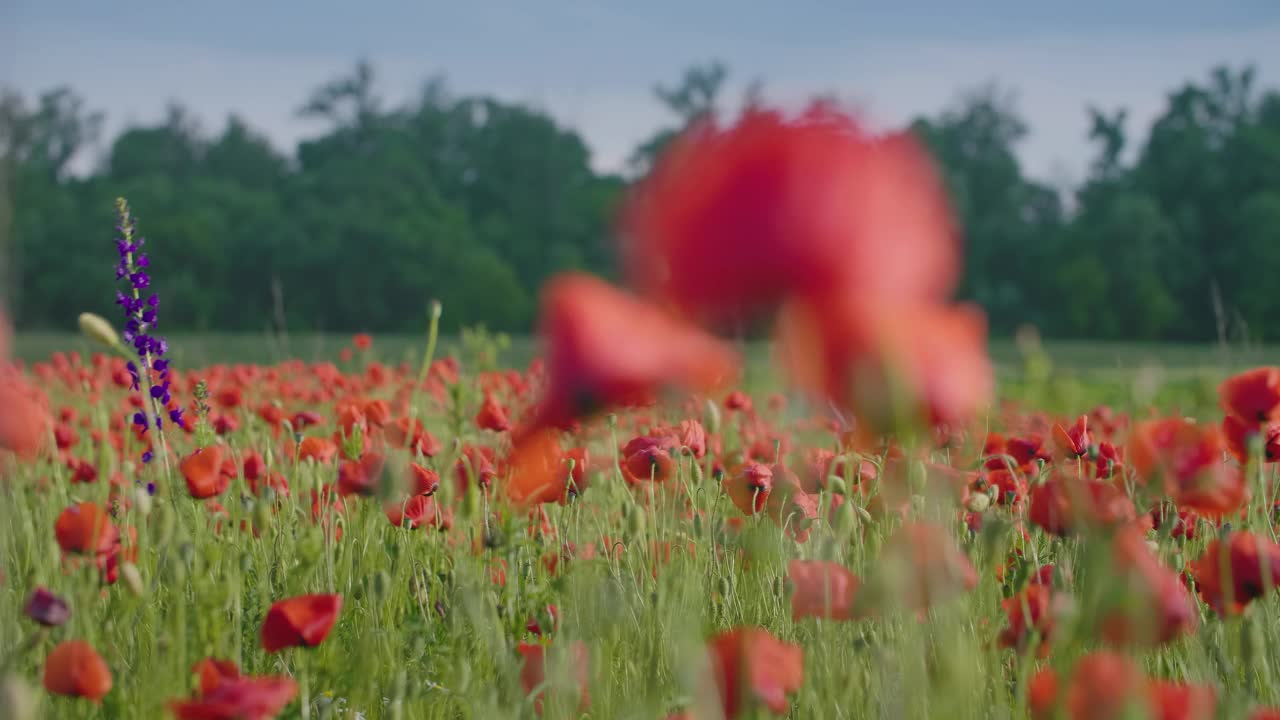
<point x="593" y="64"/>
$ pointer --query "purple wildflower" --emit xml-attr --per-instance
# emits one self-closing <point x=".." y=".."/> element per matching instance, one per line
<point x="141" y="317"/>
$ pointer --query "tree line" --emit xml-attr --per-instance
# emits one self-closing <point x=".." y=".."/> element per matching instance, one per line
<point x="475" y="201"/>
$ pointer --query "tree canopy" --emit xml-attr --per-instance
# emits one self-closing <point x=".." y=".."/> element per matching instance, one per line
<point x="475" y="201"/>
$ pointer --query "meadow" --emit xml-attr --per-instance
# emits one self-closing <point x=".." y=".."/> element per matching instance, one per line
<point x="877" y="512"/>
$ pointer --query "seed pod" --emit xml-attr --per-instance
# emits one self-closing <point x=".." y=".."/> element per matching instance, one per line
<point x="96" y="328"/>
<point x="380" y="586"/>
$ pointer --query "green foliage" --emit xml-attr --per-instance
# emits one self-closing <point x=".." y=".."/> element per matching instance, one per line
<point x="475" y="202"/>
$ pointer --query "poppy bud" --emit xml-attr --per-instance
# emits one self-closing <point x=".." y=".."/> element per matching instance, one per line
<point x="262" y="514"/>
<point x="711" y="419"/>
<point x="635" y="523"/>
<point x="96" y="328"/>
<point x="698" y="525"/>
<point x="846" y="519"/>
<point x="836" y="485"/>
<point x="142" y="501"/>
<point x="17" y="700"/>
<point x="978" y="502"/>
<point x="132" y="579"/>
<point x="380" y="586"/>
<point x="724" y="586"/>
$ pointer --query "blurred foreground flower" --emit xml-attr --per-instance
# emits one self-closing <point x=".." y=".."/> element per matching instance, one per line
<point x="607" y="349"/>
<point x="735" y="220"/>
<point x="303" y="621"/>
<point x="74" y="668"/>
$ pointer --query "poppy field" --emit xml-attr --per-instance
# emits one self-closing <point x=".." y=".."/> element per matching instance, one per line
<point x="862" y="520"/>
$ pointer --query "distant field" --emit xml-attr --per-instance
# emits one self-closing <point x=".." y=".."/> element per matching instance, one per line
<point x="1077" y="357"/>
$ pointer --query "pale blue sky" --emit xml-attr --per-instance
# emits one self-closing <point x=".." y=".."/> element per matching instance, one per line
<point x="593" y="64"/>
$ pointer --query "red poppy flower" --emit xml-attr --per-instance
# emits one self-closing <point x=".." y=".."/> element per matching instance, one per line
<point x="649" y="458"/>
<point x="1234" y="572"/>
<point x="1252" y="396"/>
<point x="362" y="341"/>
<point x="360" y="477"/>
<point x="424" y="480"/>
<point x="302" y="621"/>
<point x="24" y="424"/>
<point x="477" y="464"/>
<point x="75" y="669"/>
<point x="607" y="349"/>
<point x="492" y="415"/>
<point x="734" y="220"/>
<point x="321" y="450"/>
<point x="418" y="511"/>
<point x="1064" y="504"/>
<point x="821" y="589"/>
<point x="738" y="401"/>
<point x="749" y="487"/>
<point x="1109" y="686"/>
<point x="238" y="698"/>
<point x="1188" y="458"/>
<point x="85" y="529"/>
<point x="752" y="667"/>
<point x="1074" y="440"/>
<point x="1158" y="609"/>
<point x="1029" y="612"/>
<point x="202" y="470"/>
<point x="542" y="472"/>
<point x="1238" y="434"/>
<point x="890" y="362"/>
<point x="212" y="672"/>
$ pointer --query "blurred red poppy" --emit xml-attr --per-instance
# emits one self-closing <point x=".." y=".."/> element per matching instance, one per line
<point x="212" y="672"/>
<point x="821" y="589"/>
<point x="533" y="672"/>
<point x="1109" y="686"/>
<point x="1189" y="460"/>
<point x="302" y="621"/>
<point x="360" y="477"/>
<point x="1073" y="440"/>
<point x="202" y="470"/>
<point x="733" y="220"/>
<point x="1252" y="396"/>
<point x="748" y="487"/>
<point x="1157" y="607"/>
<point x="1065" y="504"/>
<point x="25" y="423"/>
<point x="492" y="415"/>
<point x="238" y="698"/>
<point x="321" y="450"/>
<point x="607" y="349"/>
<point x="752" y="667"/>
<point x="890" y="362"/>
<point x="74" y="668"/>
<point x="362" y="341"/>
<point x="85" y="529"/>
<point x="1029" y="612"/>
<point x="649" y="458"/>
<point x="1236" y="571"/>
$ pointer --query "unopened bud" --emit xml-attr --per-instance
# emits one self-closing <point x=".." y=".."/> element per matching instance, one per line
<point x="132" y="579"/>
<point x="978" y="502"/>
<point x="712" y="418"/>
<point x="836" y="485"/>
<point x="96" y="328"/>
<point x="142" y="501"/>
